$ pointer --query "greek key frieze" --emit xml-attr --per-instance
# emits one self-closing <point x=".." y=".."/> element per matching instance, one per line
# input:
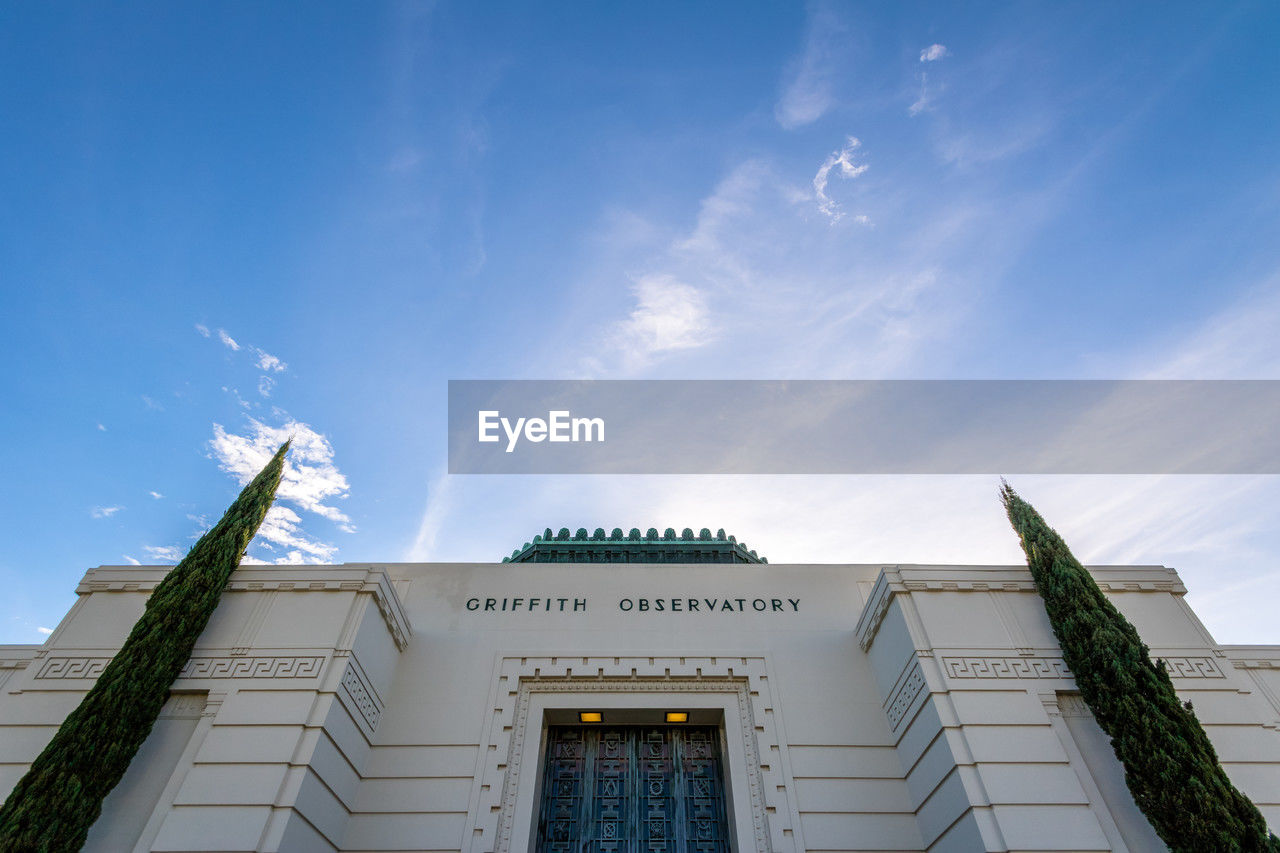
<point x="231" y="667"/>
<point x="1199" y="667"/>
<point x="1045" y="667"/>
<point x="253" y="667"/>
<point x="1005" y="667"/>
<point x="79" y="667"/>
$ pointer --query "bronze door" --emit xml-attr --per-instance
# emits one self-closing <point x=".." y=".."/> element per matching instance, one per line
<point x="633" y="789"/>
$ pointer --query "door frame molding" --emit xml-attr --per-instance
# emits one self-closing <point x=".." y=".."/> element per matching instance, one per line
<point x="762" y="815"/>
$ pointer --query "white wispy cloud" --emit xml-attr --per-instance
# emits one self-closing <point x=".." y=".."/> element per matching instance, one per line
<point x="282" y="527"/>
<point x="310" y="479"/>
<point x="785" y="294"/>
<point x="101" y="428"/>
<point x="235" y="392"/>
<point x="163" y="553"/>
<point x="228" y="340"/>
<point x="151" y="404"/>
<point x="44" y="630"/>
<point x="1238" y="341"/>
<point x="668" y="315"/>
<point x="155" y="495"/>
<point x="980" y="144"/>
<point x="844" y="160"/>
<point x="267" y="361"/>
<point x="265" y="384"/>
<point x="104" y="511"/>
<point x="934" y="52"/>
<point x="433" y="519"/>
<point x="807" y="90"/>
<point x="130" y="560"/>
<point x="202" y="329"/>
<point x="310" y="475"/>
<point x="921" y="103"/>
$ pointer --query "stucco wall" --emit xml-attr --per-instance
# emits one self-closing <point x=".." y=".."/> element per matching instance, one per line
<point x="383" y="707"/>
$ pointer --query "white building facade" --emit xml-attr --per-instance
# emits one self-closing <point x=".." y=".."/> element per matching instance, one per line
<point x="440" y="707"/>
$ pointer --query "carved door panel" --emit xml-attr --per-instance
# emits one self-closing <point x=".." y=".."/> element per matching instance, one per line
<point x="633" y="789"/>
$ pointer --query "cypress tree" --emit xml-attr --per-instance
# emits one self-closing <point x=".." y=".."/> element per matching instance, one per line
<point x="60" y="797"/>
<point x="1170" y="765"/>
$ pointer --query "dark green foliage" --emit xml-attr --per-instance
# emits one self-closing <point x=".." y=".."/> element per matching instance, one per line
<point x="1170" y="766"/>
<point x="53" y="806"/>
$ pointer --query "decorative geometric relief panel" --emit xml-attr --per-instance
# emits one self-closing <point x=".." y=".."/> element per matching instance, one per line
<point x="358" y="692"/>
<point x="900" y="700"/>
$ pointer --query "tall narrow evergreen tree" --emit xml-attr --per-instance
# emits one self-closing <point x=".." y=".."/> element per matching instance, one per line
<point x="53" y="806"/>
<point x="1170" y="766"/>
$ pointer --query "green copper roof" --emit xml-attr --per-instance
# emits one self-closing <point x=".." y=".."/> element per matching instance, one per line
<point x="632" y="547"/>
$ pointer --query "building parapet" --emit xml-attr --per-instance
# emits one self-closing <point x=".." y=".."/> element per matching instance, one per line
<point x="900" y="579"/>
<point x="255" y="578"/>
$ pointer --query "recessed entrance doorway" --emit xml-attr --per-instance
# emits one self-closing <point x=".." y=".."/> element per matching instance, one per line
<point x="633" y="789"/>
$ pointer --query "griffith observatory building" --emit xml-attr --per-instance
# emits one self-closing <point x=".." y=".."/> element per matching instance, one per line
<point x="633" y="694"/>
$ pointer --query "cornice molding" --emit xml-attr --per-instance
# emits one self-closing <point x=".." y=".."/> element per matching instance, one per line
<point x="905" y="579"/>
<point x="291" y="578"/>
<point x="17" y="657"/>
<point x="1252" y="657"/>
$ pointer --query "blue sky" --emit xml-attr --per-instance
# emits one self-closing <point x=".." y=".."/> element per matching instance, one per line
<point x="225" y="223"/>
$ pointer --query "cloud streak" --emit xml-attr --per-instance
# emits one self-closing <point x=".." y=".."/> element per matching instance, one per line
<point x="163" y="553"/>
<point x="807" y="92"/>
<point x="104" y="511"/>
<point x="844" y="161"/>
<point x="932" y="53"/>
